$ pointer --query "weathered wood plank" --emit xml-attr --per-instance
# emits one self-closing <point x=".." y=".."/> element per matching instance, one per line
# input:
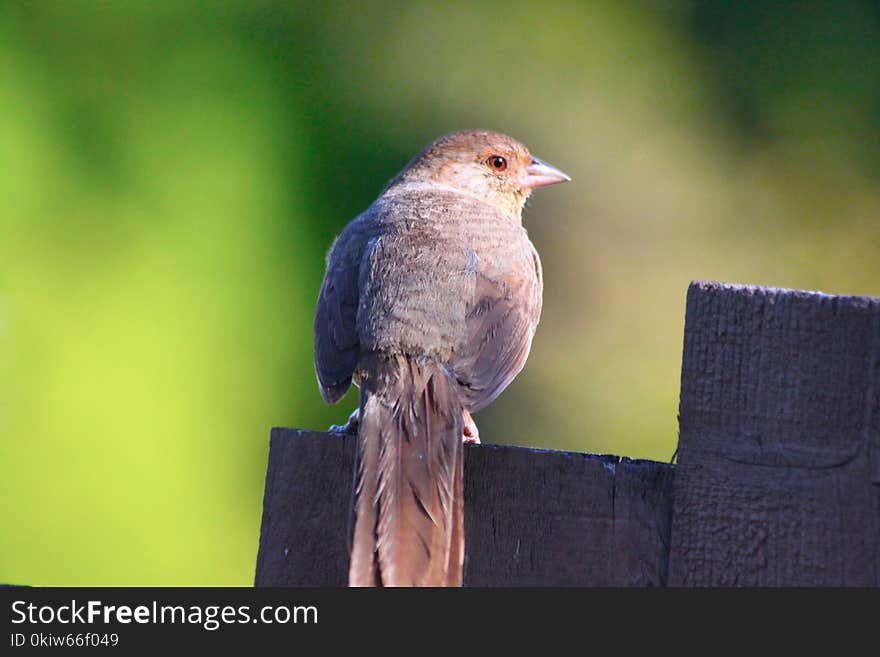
<point x="546" y="518"/>
<point x="304" y="536"/>
<point x="532" y="517"/>
<point x="777" y="482"/>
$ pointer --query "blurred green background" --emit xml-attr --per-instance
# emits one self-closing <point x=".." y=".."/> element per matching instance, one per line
<point x="173" y="173"/>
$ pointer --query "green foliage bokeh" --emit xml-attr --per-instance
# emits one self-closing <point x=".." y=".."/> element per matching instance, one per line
<point x="173" y="173"/>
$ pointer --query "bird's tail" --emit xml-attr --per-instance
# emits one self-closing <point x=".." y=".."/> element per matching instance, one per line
<point x="409" y="527"/>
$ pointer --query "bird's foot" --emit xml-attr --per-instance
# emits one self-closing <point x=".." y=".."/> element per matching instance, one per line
<point x="351" y="426"/>
<point x="470" y="435"/>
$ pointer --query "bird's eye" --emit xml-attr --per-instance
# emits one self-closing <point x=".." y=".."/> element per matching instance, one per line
<point x="496" y="163"/>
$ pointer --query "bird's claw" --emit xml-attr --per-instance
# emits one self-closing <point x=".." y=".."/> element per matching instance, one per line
<point x="470" y="435"/>
<point x="350" y="427"/>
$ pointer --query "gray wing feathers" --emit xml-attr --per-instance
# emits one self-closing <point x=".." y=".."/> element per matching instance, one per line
<point x="337" y="346"/>
<point x="500" y="327"/>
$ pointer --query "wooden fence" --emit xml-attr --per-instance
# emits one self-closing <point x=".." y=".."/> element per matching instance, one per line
<point x="777" y="481"/>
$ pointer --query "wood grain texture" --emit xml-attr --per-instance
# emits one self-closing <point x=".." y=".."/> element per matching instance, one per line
<point x="306" y="529"/>
<point x="545" y="518"/>
<point x="778" y="446"/>
<point x="532" y="517"/>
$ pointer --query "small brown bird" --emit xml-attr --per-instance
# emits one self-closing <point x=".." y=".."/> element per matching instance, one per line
<point x="429" y="304"/>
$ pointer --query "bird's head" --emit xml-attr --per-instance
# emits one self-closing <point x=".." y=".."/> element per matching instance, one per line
<point x="489" y="165"/>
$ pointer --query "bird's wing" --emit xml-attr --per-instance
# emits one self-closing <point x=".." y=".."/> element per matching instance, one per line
<point x="336" y="339"/>
<point x="500" y="324"/>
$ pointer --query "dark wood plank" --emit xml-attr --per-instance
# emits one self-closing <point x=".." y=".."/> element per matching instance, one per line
<point x="532" y="517"/>
<point x="304" y="535"/>
<point x="779" y="423"/>
<point x="564" y="519"/>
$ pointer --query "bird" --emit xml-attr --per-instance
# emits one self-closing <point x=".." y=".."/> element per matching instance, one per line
<point x="429" y="303"/>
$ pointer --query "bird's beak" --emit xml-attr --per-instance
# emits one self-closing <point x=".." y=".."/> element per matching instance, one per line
<point x="541" y="174"/>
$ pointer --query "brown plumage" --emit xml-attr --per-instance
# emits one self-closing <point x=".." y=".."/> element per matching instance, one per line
<point x="429" y="305"/>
